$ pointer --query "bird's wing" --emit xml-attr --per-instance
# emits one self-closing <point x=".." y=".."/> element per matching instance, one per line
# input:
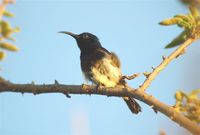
<point x="115" y="60"/>
<point x="106" y="69"/>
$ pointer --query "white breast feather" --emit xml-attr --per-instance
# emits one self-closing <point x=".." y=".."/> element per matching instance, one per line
<point x="112" y="76"/>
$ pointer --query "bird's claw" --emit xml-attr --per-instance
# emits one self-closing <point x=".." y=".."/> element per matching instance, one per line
<point x="99" y="87"/>
<point x="84" y="86"/>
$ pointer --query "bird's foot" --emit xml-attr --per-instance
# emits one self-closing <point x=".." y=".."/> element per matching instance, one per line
<point x="85" y="87"/>
<point x="99" y="87"/>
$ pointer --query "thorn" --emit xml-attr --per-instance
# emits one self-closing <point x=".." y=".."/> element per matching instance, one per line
<point x="67" y="94"/>
<point x="154" y="109"/>
<point x="181" y="53"/>
<point x="153" y="68"/>
<point x="172" y="117"/>
<point x="33" y="83"/>
<point x="146" y="74"/>
<point x="34" y="93"/>
<point x="56" y="82"/>
<point x="144" y="96"/>
<point x="163" y="57"/>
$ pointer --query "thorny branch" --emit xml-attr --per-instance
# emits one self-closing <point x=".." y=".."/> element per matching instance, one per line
<point x="118" y="91"/>
<point x="166" y="60"/>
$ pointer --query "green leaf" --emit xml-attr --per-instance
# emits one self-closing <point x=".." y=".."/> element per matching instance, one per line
<point x="183" y="17"/>
<point x="8" y="14"/>
<point x="170" y="21"/>
<point x="8" y="46"/>
<point x="179" y="96"/>
<point x="179" y="40"/>
<point x="7" y="30"/>
<point x="184" y="24"/>
<point x="193" y="21"/>
<point x="190" y="23"/>
<point x="194" y="94"/>
<point x="5" y="25"/>
<point x="2" y="55"/>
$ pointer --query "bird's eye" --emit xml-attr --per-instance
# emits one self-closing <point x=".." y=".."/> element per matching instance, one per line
<point x="85" y="36"/>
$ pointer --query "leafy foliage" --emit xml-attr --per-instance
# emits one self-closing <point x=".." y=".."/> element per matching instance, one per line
<point x="188" y="104"/>
<point x="6" y="32"/>
<point x="190" y="23"/>
<point x="2" y="55"/>
<point x="8" y="14"/>
<point x="8" y="46"/>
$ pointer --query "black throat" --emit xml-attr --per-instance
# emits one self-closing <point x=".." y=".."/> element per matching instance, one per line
<point x="88" y="47"/>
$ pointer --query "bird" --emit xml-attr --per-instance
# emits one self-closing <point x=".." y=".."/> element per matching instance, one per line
<point x="100" y="66"/>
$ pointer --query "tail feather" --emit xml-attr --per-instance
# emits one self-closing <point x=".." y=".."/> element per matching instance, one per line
<point x="132" y="105"/>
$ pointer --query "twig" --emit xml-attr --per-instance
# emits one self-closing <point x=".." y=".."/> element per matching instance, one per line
<point x="118" y="91"/>
<point x="131" y="77"/>
<point x="164" y="63"/>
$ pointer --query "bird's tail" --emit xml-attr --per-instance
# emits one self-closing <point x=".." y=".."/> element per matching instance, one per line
<point x="132" y="105"/>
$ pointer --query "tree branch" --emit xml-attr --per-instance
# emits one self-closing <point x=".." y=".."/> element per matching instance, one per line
<point x="166" y="60"/>
<point x="118" y="91"/>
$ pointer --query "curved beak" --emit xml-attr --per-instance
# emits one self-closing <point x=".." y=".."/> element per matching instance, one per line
<point x="70" y="33"/>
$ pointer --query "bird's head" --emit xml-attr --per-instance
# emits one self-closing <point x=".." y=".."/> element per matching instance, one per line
<point x="85" y="41"/>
